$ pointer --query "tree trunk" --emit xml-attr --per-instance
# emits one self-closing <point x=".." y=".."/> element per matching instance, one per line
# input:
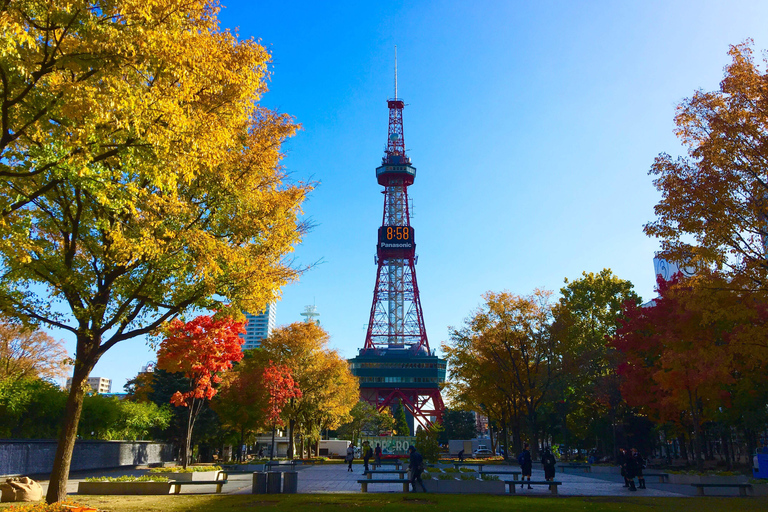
<point x="272" y="448"/>
<point x="188" y="441"/>
<point x="291" y="424"/>
<point x="57" y="488"/>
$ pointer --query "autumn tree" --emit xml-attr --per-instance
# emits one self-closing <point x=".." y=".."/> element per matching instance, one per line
<point x="200" y="349"/>
<point x="509" y="344"/>
<point x="30" y="353"/>
<point x="714" y="207"/>
<point x="329" y="390"/>
<point x="252" y="395"/>
<point x="139" y="176"/>
<point x="281" y="388"/>
<point x="678" y="359"/>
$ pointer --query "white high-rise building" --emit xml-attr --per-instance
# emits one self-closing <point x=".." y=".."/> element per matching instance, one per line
<point x="258" y="327"/>
<point x="97" y="384"/>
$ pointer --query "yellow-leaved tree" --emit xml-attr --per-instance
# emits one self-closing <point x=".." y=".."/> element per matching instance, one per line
<point x="139" y="176"/>
<point x="329" y="390"/>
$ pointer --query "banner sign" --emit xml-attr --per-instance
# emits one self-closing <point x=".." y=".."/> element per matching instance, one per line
<point x="390" y="445"/>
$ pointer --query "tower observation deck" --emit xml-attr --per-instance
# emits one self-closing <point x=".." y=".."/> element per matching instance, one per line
<point x="396" y="364"/>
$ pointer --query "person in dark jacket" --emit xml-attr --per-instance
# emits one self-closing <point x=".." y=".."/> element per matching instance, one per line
<point x="639" y="465"/>
<point x="526" y="465"/>
<point x="622" y="461"/>
<point x="548" y="461"/>
<point x="630" y="471"/>
<point x="461" y="455"/>
<point x="415" y="467"/>
<point x="377" y="456"/>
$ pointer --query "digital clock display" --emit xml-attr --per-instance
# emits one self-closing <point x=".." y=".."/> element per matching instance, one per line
<point x="396" y="241"/>
<point x="395" y="234"/>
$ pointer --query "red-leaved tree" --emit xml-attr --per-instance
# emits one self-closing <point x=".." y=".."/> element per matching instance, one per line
<point x="200" y="349"/>
<point x="678" y="354"/>
<point x="281" y="387"/>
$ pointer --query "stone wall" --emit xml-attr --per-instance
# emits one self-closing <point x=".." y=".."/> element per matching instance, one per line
<point x="35" y="457"/>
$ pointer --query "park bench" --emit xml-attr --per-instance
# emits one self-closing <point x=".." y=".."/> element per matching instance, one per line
<point x="663" y="477"/>
<point x="743" y="488"/>
<point x="585" y="467"/>
<point x="552" y="485"/>
<point x="221" y="479"/>
<point x="478" y="464"/>
<point x="515" y="474"/>
<point x="365" y="483"/>
<point x="372" y="472"/>
<point x="279" y="463"/>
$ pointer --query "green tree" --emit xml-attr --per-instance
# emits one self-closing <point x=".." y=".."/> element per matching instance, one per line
<point x="586" y="315"/>
<point x="427" y="442"/>
<point x="30" y="409"/>
<point x="401" y="421"/>
<point x="139" y="177"/>
<point x="458" y="424"/>
<point x="365" y="419"/>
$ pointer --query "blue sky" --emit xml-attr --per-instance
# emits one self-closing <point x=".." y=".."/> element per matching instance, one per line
<point x="532" y="126"/>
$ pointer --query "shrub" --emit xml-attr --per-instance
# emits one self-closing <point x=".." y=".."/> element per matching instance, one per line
<point x="466" y="470"/>
<point x="445" y="476"/>
<point x="189" y="469"/>
<point x="128" y="478"/>
<point x="468" y="477"/>
<point x="426" y="476"/>
<point x="490" y="478"/>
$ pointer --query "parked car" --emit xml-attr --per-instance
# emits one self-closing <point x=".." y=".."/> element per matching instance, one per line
<point x="482" y="451"/>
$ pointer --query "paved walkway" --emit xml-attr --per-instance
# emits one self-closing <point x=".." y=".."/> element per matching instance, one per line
<point x="334" y="478"/>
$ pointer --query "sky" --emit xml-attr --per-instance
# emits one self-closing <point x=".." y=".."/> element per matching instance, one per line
<point x="532" y="126"/>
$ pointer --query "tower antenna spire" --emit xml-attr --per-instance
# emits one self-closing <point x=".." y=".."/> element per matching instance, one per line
<point x="395" y="71"/>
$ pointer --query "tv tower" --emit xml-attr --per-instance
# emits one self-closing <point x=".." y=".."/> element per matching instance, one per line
<point x="395" y="364"/>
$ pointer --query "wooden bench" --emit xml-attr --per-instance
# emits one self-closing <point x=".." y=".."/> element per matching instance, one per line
<point x="176" y="484"/>
<point x="552" y="485"/>
<point x="365" y="483"/>
<point x="663" y="477"/>
<point x="515" y="474"/>
<point x="372" y="472"/>
<point x="478" y="464"/>
<point x="587" y="469"/>
<point x="743" y="488"/>
<point x="395" y="463"/>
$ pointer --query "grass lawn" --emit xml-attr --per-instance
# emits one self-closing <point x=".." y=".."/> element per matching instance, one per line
<point x="398" y="502"/>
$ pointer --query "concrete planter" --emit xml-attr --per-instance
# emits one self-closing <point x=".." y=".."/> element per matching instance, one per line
<point x="706" y="479"/>
<point x="611" y="470"/>
<point x="760" y="489"/>
<point x="195" y="476"/>
<point x="465" y="486"/>
<point x="246" y="467"/>
<point x="101" y="488"/>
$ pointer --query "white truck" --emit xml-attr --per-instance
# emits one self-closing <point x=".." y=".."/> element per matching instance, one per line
<point x="333" y="448"/>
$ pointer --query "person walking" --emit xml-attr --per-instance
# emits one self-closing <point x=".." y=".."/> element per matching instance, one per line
<point x="367" y="452"/>
<point x="639" y="465"/>
<point x="622" y="461"/>
<point x="630" y="471"/>
<point x="526" y="465"/>
<point x="461" y="455"/>
<point x="350" y="457"/>
<point x="377" y="456"/>
<point x="548" y="461"/>
<point x="415" y="467"/>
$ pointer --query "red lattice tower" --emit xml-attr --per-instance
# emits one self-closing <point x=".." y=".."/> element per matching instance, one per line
<point x="395" y="363"/>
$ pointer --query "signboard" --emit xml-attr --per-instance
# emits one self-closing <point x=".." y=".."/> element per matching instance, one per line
<point x="667" y="269"/>
<point x="390" y="445"/>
